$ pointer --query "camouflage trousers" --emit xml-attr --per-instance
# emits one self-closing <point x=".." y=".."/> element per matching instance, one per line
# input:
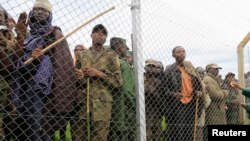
<point x="98" y="130"/>
<point x="100" y="115"/>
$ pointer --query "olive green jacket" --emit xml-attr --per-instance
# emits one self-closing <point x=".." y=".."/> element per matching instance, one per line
<point x="124" y="106"/>
<point x="215" y="113"/>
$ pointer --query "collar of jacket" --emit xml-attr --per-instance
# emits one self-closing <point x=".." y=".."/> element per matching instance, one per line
<point x="214" y="77"/>
<point x="188" y="66"/>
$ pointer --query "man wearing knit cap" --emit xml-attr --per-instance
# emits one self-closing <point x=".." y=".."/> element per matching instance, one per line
<point x="45" y="4"/>
<point x="34" y="81"/>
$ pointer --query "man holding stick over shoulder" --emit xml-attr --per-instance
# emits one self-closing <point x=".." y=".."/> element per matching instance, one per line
<point x="50" y="77"/>
<point x="98" y="70"/>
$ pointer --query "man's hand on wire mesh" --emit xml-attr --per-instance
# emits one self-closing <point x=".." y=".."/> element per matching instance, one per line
<point x="21" y="30"/>
<point x="236" y="85"/>
<point x="21" y="26"/>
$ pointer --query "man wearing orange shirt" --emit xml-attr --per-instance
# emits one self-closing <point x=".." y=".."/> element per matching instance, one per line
<point x="183" y="87"/>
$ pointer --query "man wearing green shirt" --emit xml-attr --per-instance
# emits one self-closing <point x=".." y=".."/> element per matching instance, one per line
<point x="124" y="106"/>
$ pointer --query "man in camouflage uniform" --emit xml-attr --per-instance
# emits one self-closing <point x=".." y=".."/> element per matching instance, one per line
<point x="124" y="106"/>
<point x="232" y="101"/>
<point x="98" y="70"/>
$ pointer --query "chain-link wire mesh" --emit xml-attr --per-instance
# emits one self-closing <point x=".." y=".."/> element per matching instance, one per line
<point x="149" y="70"/>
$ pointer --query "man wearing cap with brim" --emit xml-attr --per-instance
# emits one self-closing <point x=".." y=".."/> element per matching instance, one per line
<point x="153" y="107"/>
<point x="215" y="113"/>
<point x="124" y="106"/>
<point x="98" y="69"/>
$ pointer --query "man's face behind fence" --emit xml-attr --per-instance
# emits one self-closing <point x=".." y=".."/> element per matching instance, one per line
<point x="179" y="54"/>
<point x="40" y="14"/>
<point x="98" y="38"/>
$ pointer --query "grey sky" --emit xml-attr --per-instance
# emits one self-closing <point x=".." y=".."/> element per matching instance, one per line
<point x="210" y="30"/>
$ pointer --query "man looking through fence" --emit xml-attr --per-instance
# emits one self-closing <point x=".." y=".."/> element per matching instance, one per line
<point x="207" y="100"/>
<point x="99" y="70"/>
<point x="152" y="85"/>
<point x="232" y="101"/>
<point x="49" y="77"/>
<point x="215" y="113"/>
<point x="129" y="57"/>
<point x="124" y="106"/>
<point x="10" y="50"/>
<point x="183" y="87"/>
<point x="77" y="50"/>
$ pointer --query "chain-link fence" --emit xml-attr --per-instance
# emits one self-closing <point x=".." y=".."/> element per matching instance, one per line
<point x="121" y="76"/>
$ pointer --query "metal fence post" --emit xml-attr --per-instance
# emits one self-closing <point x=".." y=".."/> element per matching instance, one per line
<point x="139" y="79"/>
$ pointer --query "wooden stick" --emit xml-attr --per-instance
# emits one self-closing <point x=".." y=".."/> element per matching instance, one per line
<point x="88" y="111"/>
<point x="69" y="34"/>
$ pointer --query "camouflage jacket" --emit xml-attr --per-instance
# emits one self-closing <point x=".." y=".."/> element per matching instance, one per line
<point x="100" y="89"/>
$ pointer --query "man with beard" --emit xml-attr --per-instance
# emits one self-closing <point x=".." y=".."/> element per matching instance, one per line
<point x="50" y="76"/>
<point x="183" y="87"/>
<point x="99" y="71"/>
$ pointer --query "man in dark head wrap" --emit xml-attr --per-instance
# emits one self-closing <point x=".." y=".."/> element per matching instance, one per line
<point x="49" y="76"/>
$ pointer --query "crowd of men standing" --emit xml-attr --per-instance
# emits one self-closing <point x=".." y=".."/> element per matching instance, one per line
<point x="95" y="91"/>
